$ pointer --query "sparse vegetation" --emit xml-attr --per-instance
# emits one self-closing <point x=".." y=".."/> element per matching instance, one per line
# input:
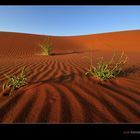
<point x="46" y="47"/>
<point x="15" y="82"/>
<point x="107" y="70"/>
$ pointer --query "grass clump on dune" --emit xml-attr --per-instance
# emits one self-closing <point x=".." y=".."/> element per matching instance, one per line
<point x="107" y="70"/>
<point x="15" y="82"/>
<point x="46" y="47"/>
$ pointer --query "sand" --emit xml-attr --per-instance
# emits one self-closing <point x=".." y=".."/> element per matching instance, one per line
<point x="58" y="90"/>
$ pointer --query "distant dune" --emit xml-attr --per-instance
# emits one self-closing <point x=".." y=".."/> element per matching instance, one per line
<point x="58" y="90"/>
<point x="18" y="43"/>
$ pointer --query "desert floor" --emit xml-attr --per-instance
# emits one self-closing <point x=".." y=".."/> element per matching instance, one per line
<point x="58" y="90"/>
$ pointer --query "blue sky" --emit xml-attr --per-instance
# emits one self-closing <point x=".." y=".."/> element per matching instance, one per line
<point x="69" y="20"/>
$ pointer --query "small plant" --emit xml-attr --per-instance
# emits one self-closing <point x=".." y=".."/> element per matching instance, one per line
<point x="46" y="47"/>
<point x="15" y="82"/>
<point x="107" y="70"/>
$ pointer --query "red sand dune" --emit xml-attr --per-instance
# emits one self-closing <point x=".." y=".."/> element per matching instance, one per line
<point x="58" y="91"/>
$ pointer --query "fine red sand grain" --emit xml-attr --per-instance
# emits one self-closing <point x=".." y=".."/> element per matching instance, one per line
<point x="58" y="90"/>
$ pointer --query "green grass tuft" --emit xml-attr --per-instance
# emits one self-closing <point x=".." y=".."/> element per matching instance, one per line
<point x="107" y="70"/>
<point x="15" y="82"/>
<point x="46" y="47"/>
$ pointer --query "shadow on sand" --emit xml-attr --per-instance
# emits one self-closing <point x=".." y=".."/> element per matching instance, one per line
<point x="65" y="78"/>
<point x="130" y="70"/>
<point x="73" y="52"/>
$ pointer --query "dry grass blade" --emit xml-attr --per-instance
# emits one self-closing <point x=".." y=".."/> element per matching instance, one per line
<point x="104" y="70"/>
<point x="46" y="47"/>
<point x="15" y="82"/>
